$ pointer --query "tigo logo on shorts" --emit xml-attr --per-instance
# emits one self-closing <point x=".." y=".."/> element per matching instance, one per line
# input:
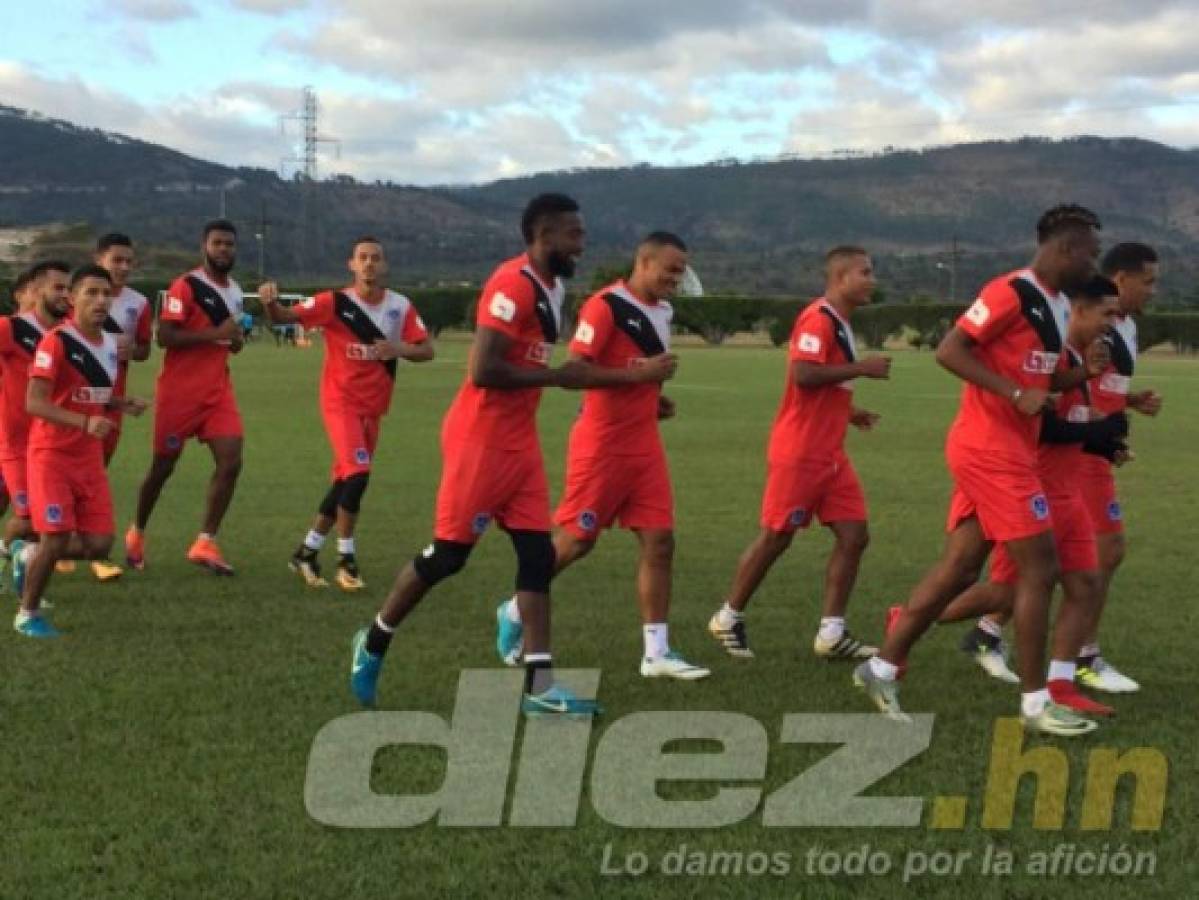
<point x="362" y="456"/>
<point x="480" y="522"/>
<point x="53" y="513"/>
<point x="1114" y="513"/>
<point x="1040" y="507"/>
<point x="587" y="520"/>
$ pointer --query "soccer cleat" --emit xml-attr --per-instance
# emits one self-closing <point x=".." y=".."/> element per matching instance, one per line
<point x="509" y="636"/>
<point x="1058" y="720"/>
<point x="991" y="659"/>
<point x="19" y="566"/>
<point x="34" y="627"/>
<point x="106" y="570"/>
<point x="734" y="639"/>
<point x="364" y="670"/>
<point x="893" y="614"/>
<point x="135" y="549"/>
<point x="845" y="647"/>
<point x="348" y="578"/>
<point x="558" y="702"/>
<point x="1064" y="693"/>
<point x="304" y="563"/>
<point x="64" y="566"/>
<point x="672" y="665"/>
<point x="883" y="694"/>
<point x="1101" y="675"/>
<point x="205" y="552"/>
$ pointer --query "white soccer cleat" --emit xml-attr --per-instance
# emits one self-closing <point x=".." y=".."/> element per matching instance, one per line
<point x="672" y="665"/>
<point x="1103" y="676"/>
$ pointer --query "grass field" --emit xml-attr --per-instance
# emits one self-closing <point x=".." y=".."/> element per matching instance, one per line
<point x="159" y="749"/>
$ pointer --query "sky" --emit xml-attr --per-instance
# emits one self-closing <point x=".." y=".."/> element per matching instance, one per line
<point x="466" y="91"/>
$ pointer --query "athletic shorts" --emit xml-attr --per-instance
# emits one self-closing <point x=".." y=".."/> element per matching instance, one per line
<point x="66" y="496"/>
<point x="16" y="481"/>
<point x="175" y="423"/>
<point x="1073" y="537"/>
<point x="1003" y="493"/>
<point x="601" y="490"/>
<point x="484" y="484"/>
<point x="797" y="491"/>
<point x="1099" y="494"/>
<point x="353" y="438"/>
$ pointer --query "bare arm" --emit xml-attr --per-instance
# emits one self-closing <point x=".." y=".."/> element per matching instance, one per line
<point x="810" y="375"/>
<point x="171" y="335"/>
<point x="489" y="369"/>
<point x="422" y="352"/>
<point x="654" y="369"/>
<point x="38" y="403"/>
<point x="956" y="353"/>
<point x="139" y="351"/>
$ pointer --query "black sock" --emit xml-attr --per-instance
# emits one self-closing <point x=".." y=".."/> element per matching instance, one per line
<point x="1088" y="661"/>
<point x="378" y="640"/>
<point x="979" y="638"/>
<point x="538" y="676"/>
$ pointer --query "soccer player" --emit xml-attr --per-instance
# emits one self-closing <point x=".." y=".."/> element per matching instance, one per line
<point x="1006" y="348"/>
<point x="615" y="463"/>
<point x="130" y="321"/>
<point x="70" y="392"/>
<point x="808" y="472"/>
<point x="24" y="291"/>
<point x="199" y="326"/>
<point x="367" y="328"/>
<point x="492" y="467"/>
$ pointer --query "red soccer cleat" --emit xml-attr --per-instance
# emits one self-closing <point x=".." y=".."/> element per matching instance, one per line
<point x="1064" y="693"/>
<point x="893" y="614"/>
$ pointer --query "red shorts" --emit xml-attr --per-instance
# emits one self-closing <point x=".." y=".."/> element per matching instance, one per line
<point x="1073" y="537"/>
<point x="796" y="491"/>
<point x="16" y="482"/>
<point x="479" y="484"/>
<point x="66" y="496"/>
<point x="1002" y="492"/>
<point x="1099" y="494"/>
<point x="601" y="489"/>
<point x="353" y="438"/>
<point x="114" y="436"/>
<point x="175" y="423"/>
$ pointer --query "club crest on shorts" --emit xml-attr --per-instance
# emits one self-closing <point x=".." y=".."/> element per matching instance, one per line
<point x="797" y="517"/>
<point x="21" y="499"/>
<point x="172" y="442"/>
<point x="362" y="456"/>
<point x="587" y="520"/>
<point x="1040" y="507"/>
<point x="480" y="522"/>
<point x="1114" y="512"/>
<point x="54" y="514"/>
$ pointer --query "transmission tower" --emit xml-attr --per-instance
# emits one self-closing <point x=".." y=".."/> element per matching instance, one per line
<point x="307" y="116"/>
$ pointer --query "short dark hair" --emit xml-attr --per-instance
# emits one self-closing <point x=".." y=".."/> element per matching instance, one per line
<point x="541" y="207"/>
<point x="663" y="239"/>
<point x="91" y="270"/>
<point x="219" y="225"/>
<point x="22" y="281"/>
<point x="364" y="239"/>
<point x="113" y="239"/>
<point x="1127" y="257"/>
<point x="1094" y="291"/>
<point x="841" y="253"/>
<point x="1064" y="219"/>
<point x="37" y="270"/>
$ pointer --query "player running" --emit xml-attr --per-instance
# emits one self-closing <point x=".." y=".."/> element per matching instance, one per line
<point x="808" y="472"/>
<point x="491" y="457"/>
<point x="367" y="328"/>
<point x="199" y="326"/>
<point x="71" y="390"/>
<point x="616" y="465"/>
<point x="1006" y="348"/>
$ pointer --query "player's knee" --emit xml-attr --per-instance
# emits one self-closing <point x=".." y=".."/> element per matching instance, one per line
<point x="229" y="466"/>
<point x="853" y="538"/>
<point x="97" y="546"/>
<point x="440" y="560"/>
<point x="1111" y="552"/>
<point x="776" y="542"/>
<point x="352" y="489"/>
<point x="328" y="507"/>
<point x="658" y="549"/>
<point x="534" y="561"/>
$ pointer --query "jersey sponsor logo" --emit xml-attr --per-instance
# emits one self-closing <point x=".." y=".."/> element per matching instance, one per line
<point x="1040" y="362"/>
<point x="808" y="343"/>
<point x="480" y="522"/>
<point x="1114" y="383"/>
<point x="53" y="513"/>
<point x="588" y="520"/>
<point x="1040" y="507"/>
<point x="798" y="517"/>
<point x="361" y="352"/>
<point x="309" y="303"/>
<point x="1078" y="413"/>
<point x="43" y="360"/>
<point x="978" y="313"/>
<point x="1114" y="512"/>
<point x="87" y="394"/>
<point x="362" y="456"/>
<point x="174" y="306"/>
<point x="585" y="333"/>
<point x="502" y="307"/>
<point x="540" y="353"/>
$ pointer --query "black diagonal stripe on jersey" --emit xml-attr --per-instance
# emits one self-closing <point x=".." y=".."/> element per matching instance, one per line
<point x="364" y="328"/>
<point x="83" y="359"/>
<point x="1073" y="361"/>
<point x="1122" y="357"/>
<point x="209" y="299"/>
<point x="643" y="333"/>
<point x="25" y="334"/>
<point x="111" y="326"/>
<point x="1038" y="314"/>
<point x="843" y="340"/>
<point x="544" y="310"/>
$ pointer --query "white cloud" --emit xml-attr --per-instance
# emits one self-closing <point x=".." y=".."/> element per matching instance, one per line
<point x="155" y="10"/>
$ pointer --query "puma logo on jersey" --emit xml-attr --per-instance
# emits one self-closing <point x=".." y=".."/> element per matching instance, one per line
<point x="634" y="323"/>
<point x="1038" y="313"/>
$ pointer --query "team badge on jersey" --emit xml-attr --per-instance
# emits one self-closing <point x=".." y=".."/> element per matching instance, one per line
<point x="1114" y="512"/>
<point x="1040" y="507"/>
<point x="480" y="522"/>
<point x="54" y="514"/>
<point x="809" y="343"/>
<point x="587" y="520"/>
<point x="393" y="314"/>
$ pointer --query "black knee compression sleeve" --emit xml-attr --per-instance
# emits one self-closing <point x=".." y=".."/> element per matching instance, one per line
<point x="328" y="507"/>
<point x="352" y="490"/>
<point x="440" y="560"/>
<point x="534" y="561"/>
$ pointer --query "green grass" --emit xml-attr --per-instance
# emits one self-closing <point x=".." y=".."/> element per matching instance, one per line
<point x="159" y="749"/>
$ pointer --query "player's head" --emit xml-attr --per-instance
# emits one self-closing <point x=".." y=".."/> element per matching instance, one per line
<point x="367" y="261"/>
<point x="114" y="251"/>
<point x="91" y="294"/>
<point x="1068" y="244"/>
<point x="1094" y="305"/>
<point x="51" y="282"/>
<point x="1133" y="267"/>
<point x="220" y="246"/>
<point x="849" y="274"/>
<point x="23" y="291"/>
<point x="553" y="229"/>
<point x="659" y="265"/>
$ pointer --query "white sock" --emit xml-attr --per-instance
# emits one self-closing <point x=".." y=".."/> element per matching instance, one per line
<point x="1059" y="670"/>
<point x="990" y="626"/>
<point x="24" y="615"/>
<point x="345" y="546"/>
<point x="1034" y="703"/>
<point x="3" y="547"/>
<point x="512" y="611"/>
<point x="28" y="552"/>
<point x="882" y="669"/>
<point x="383" y="626"/>
<point x="657" y="643"/>
<point x="727" y="617"/>
<point x="314" y="540"/>
<point x="832" y="628"/>
<point x="204" y="536"/>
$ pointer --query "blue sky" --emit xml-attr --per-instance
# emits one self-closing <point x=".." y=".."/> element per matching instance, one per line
<point x="434" y="91"/>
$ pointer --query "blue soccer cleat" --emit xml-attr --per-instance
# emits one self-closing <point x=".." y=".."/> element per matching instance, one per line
<point x="509" y="635"/>
<point x="34" y="627"/>
<point x="558" y="702"/>
<point x="364" y="670"/>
